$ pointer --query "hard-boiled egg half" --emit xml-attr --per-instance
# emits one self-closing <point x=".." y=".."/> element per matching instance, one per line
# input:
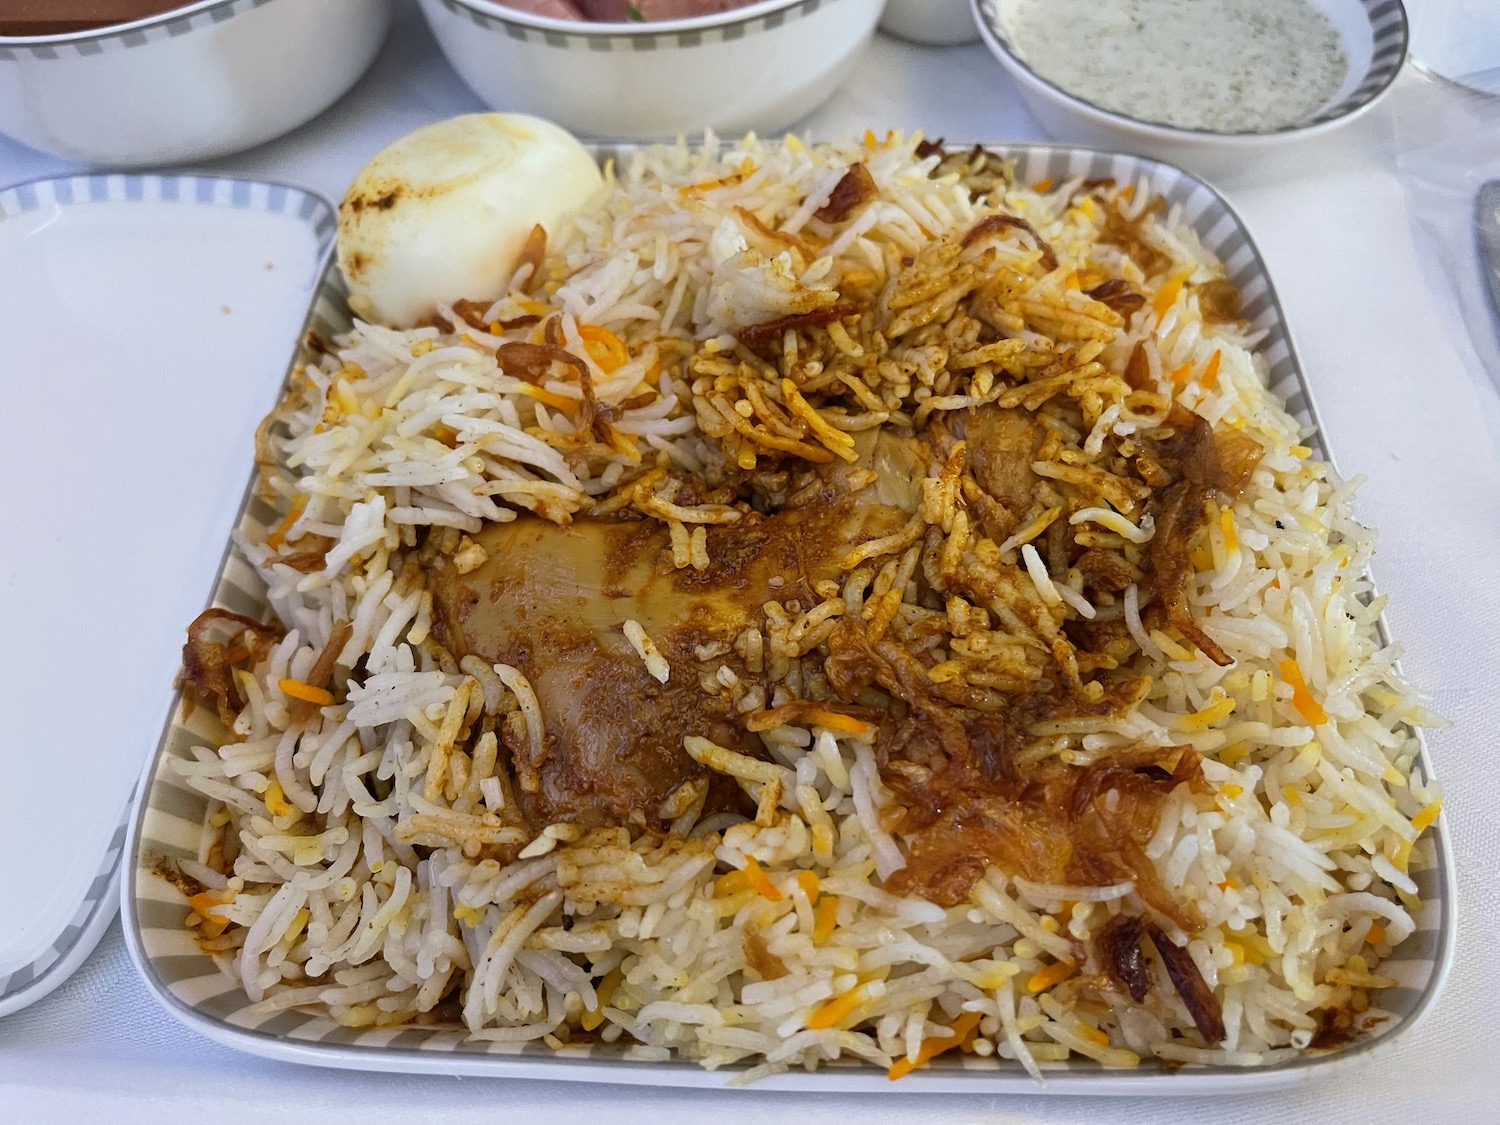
<point x="443" y="213"/>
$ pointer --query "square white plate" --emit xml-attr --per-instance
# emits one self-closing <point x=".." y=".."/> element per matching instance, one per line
<point x="168" y="818"/>
<point x="135" y="362"/>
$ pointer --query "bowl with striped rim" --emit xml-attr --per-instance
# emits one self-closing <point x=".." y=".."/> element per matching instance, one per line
<point x="1373" y="33"/>
<point x="759" y="67"/>
<point x="195" y="82"/>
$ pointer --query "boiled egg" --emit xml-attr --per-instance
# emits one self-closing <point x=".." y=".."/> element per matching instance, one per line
<point x="443" y="213"/>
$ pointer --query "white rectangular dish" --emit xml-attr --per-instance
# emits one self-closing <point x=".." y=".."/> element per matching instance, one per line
<point x="112" y="288"/>
<point x="166" y="823"/>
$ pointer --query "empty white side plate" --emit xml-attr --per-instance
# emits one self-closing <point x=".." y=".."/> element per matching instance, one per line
<point x="145" y="323"/>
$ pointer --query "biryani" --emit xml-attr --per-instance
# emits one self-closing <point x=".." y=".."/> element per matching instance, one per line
<point x="840" y="603"/>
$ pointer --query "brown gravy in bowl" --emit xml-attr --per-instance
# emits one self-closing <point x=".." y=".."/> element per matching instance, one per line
<point x="60" y="17"/>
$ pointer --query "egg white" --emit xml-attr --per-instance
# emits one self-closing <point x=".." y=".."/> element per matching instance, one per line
<point x="444" y="212"/>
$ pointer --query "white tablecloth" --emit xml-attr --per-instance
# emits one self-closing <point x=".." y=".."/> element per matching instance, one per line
<point x="1404" y="402"/>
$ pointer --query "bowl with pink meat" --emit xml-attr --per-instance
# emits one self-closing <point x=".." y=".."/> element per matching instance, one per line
<point x="654" y="69"/>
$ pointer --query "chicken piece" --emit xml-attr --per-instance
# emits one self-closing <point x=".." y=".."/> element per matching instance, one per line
<point x="1055" y="823"/>
<point x="1002" y="444"/>
<point x="1180" y="516"/>
<point x="553" y="600"/>
<point x="1202" y="463"/>
<point x="899" y="464"/>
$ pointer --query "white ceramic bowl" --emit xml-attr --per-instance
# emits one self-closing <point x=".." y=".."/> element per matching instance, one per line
<point x="1374" y="36"/>
<point x="933" y="23"/>
<point x="200" y="81"/>
<point x="760" y="67"/>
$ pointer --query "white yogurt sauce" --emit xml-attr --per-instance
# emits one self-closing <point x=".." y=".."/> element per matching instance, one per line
<point x="1225" y="65"/>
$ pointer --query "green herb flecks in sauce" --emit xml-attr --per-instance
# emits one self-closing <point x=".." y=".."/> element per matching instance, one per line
<point x="1225" y="65"/>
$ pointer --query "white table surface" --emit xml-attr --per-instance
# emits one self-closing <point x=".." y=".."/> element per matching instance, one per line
<point x="1404" y="401"/>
